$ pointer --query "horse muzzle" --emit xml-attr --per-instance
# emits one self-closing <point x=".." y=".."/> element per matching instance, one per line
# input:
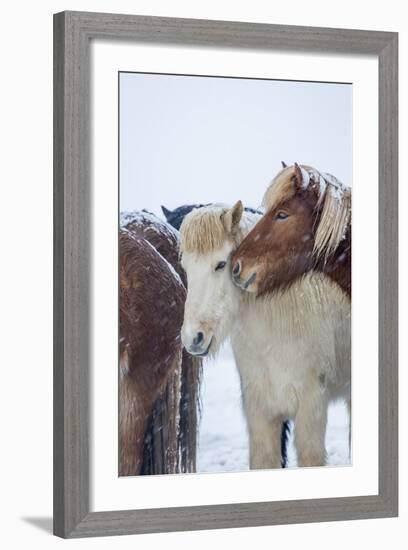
<point x="199" y="344"/>
<point x="245" y="283"/>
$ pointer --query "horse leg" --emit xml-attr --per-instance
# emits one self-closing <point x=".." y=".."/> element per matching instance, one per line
<point x="284" y="439"/>
<point x="189" y="411"/>
<point x="310" y="428"/>
<point x="131" y="444"/>
<point x="132" y="426"/>
<point x="160" y="453"/>
<point x="264" y="439"/>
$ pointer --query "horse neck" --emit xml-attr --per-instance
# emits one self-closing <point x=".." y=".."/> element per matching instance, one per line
<point x="241" y="302"/>
<point x="301" y="311"/>
<point x="267" y="323"/>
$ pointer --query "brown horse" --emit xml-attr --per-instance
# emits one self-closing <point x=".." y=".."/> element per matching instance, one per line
<point x="306" y="227"/>
<point x="159" y="383"/>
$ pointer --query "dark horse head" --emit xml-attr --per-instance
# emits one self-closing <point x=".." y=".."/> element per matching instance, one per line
<point x="175" y="217"/>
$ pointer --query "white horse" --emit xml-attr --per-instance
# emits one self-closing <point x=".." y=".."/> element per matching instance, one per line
<point x="292" y="350"/>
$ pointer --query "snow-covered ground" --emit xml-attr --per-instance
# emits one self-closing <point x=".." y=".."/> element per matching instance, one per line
<point x="223" y="439"/>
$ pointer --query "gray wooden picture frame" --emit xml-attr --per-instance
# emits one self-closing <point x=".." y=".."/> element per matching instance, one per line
<point x="72" y="202"/>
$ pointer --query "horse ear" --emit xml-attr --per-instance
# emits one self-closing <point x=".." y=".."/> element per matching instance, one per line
<point x="300" y="177"/>
<point x="166" y="211"/>
<point x="233" y="216"/>
<point x="284" y="165"/>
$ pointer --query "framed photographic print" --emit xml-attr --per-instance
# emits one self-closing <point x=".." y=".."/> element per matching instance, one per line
<point x="225" y="274"/>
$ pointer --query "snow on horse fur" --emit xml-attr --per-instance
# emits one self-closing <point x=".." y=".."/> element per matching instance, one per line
<point x="307" y="226"/>
<point x="158" y="233"/>
<point x="292" y="349"/>
<point x="159" y="382"/>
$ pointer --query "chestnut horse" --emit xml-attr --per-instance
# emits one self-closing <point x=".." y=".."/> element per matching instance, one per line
<point x="159" y="382"/>
<point x="292" y="349"/>
<point x="307" y="226"/>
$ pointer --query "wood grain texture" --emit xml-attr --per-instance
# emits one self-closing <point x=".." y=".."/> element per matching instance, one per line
<point x="72" y="33"/>
<point x="388" y="273"/>
<point x="71" y="284"/>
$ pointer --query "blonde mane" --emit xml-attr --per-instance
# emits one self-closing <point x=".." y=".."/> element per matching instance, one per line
<point x="204" y="230"/>
<point x="334" y="200"/>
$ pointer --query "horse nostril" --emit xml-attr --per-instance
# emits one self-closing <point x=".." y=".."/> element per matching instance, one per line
<point x="236" y="268"/>
<point x="199" y="337"/>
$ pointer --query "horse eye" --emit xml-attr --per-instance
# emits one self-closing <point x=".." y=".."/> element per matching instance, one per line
<point x="281" y="215"/>
<point x="220" y="265"/>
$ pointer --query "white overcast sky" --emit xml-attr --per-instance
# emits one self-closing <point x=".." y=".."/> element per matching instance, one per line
<point x="190" y="139"/>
